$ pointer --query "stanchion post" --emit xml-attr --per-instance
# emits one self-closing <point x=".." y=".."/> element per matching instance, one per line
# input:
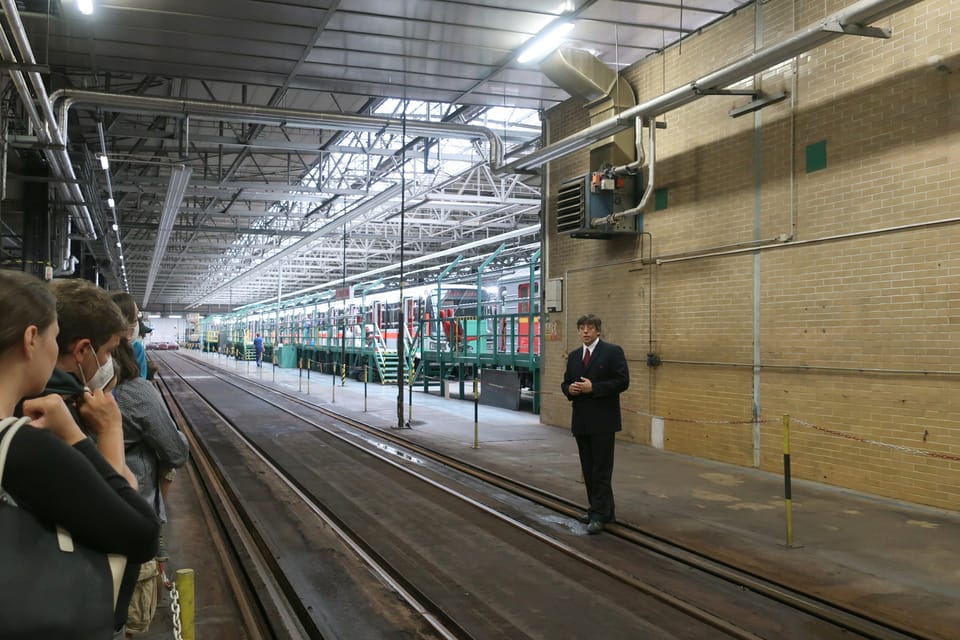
<point x="184" y="582"/>
<point x="343" y="374"/>
<point x="366" y="375"/>
<point x="787" y="497"/>
<point x="300" y="376"/>
<point x="236" y="358"/>
<point x="273" y="357"/>
<point x="333" y="379"/>
<point x="309" y="366"/>
<point x="476" y="414"/>
<point x="410" y="400"/>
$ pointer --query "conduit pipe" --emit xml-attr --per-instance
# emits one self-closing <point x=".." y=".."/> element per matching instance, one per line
<point x="58" y="158"/>
<point x="637" y="210"/>
<point x="273" y="116"/>
<point x="849" y="20"/>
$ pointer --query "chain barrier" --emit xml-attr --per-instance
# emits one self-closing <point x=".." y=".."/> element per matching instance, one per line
<point x="174" y="600"/>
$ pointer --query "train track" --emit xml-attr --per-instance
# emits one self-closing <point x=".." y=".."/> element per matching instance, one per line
<point x="688" y="594"/>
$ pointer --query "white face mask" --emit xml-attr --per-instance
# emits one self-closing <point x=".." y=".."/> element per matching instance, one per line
<point x="104" y="373"/>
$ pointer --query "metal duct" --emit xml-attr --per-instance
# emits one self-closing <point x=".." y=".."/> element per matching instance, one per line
<point x="273" y="116"/>
<point x="61" y="167"/>
<point x="850" y="20"/>
<point x="583" y="75"/>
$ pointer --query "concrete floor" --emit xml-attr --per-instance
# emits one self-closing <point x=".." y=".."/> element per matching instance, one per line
<point x="891" y="559"/>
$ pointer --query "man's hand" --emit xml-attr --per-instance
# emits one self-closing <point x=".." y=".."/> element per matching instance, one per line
<point x="50" y="412"/>
<point x="99" y="411"/>
<point x="581" y="387"/>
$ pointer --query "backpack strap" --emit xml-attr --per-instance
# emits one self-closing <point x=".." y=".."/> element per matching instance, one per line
<point x="9" y="427"/>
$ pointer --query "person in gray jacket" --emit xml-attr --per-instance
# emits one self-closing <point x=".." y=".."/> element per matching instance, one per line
<point x="153" y="446"/>
<point x="152" y="443"/>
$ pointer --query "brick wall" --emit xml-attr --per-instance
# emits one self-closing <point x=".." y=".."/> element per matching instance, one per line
<point x="857" y="337"/>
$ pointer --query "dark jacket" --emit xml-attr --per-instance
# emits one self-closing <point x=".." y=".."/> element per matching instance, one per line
<point x="68" y="385"/>
<point x="599" y="411"/>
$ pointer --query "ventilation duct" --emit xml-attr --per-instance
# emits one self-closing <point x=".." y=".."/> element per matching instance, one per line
<point x="585" y="76"/>
<point x="587" y="203"/>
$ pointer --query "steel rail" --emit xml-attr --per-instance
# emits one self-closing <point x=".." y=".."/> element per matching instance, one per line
<point x="820" y="608"/>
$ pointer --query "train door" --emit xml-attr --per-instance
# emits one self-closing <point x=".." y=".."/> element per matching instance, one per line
<point x="526" y="303"/>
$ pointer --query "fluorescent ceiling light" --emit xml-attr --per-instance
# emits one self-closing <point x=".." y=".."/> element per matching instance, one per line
<point x="111" y="203"/>
<point x="85" y="7"/>
<point x="179" y="179"/>
<point x="174" y="317"/>
<point x="104" y="162"/>
<point x="115" y="227"/>
<point x="545" y="42"/>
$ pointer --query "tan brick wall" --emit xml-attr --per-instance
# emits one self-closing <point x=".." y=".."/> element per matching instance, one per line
<point x="858" y="337"/>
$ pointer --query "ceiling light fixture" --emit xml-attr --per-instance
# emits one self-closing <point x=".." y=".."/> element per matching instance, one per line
<point x="545" y="42"/>
<point x="85" y="7"/>
<point x="111" y="203"/>
<point x="104" y="162"/>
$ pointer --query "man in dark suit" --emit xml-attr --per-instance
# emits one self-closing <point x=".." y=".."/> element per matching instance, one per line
<point x="596" y="375"/>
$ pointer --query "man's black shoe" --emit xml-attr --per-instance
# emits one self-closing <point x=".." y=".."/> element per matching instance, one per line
<point x="594" y="527"/>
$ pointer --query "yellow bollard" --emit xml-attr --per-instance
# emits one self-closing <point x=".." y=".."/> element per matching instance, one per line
<point x="184" y="582"/>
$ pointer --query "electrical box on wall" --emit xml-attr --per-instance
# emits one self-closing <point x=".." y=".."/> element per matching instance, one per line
<point x="582" y="202"/>
<point x="553" y="294"/>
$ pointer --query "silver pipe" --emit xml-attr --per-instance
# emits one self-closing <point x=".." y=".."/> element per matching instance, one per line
<point x="858" y="14"/>
<point x="778" y="244"/>
<point x="637" y="210"/>
<point x="59" y="160"/>
<point x="274" y="116"/>
<point x="631" y="168"/>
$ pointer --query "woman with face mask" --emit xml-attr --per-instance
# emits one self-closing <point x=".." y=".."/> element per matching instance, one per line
<point x="53" y="470"/>
<point x="128" y="307"/>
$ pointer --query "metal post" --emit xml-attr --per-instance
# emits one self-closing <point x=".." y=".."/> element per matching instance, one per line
<point x="309" y="366"/>
<point x="185" y="597"/>
<point x="300" y="372"/>
<point x="410" y="400"/>
<point x="476" y="414"/>
<point x="787" y="497"/>
<point x="333" y="379"/>
<point x="366" y="375"/>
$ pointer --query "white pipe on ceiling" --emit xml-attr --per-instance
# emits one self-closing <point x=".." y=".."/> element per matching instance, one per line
<point x="59" y="159"/>
<point x="273" y="116"/>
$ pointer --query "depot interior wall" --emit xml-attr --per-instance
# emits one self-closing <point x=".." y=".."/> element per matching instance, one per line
<point x="857" y="338"/>
<point x="166" y="330"/>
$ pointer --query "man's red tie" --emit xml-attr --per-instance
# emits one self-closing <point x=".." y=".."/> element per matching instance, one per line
<point x="586" y="357"/>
